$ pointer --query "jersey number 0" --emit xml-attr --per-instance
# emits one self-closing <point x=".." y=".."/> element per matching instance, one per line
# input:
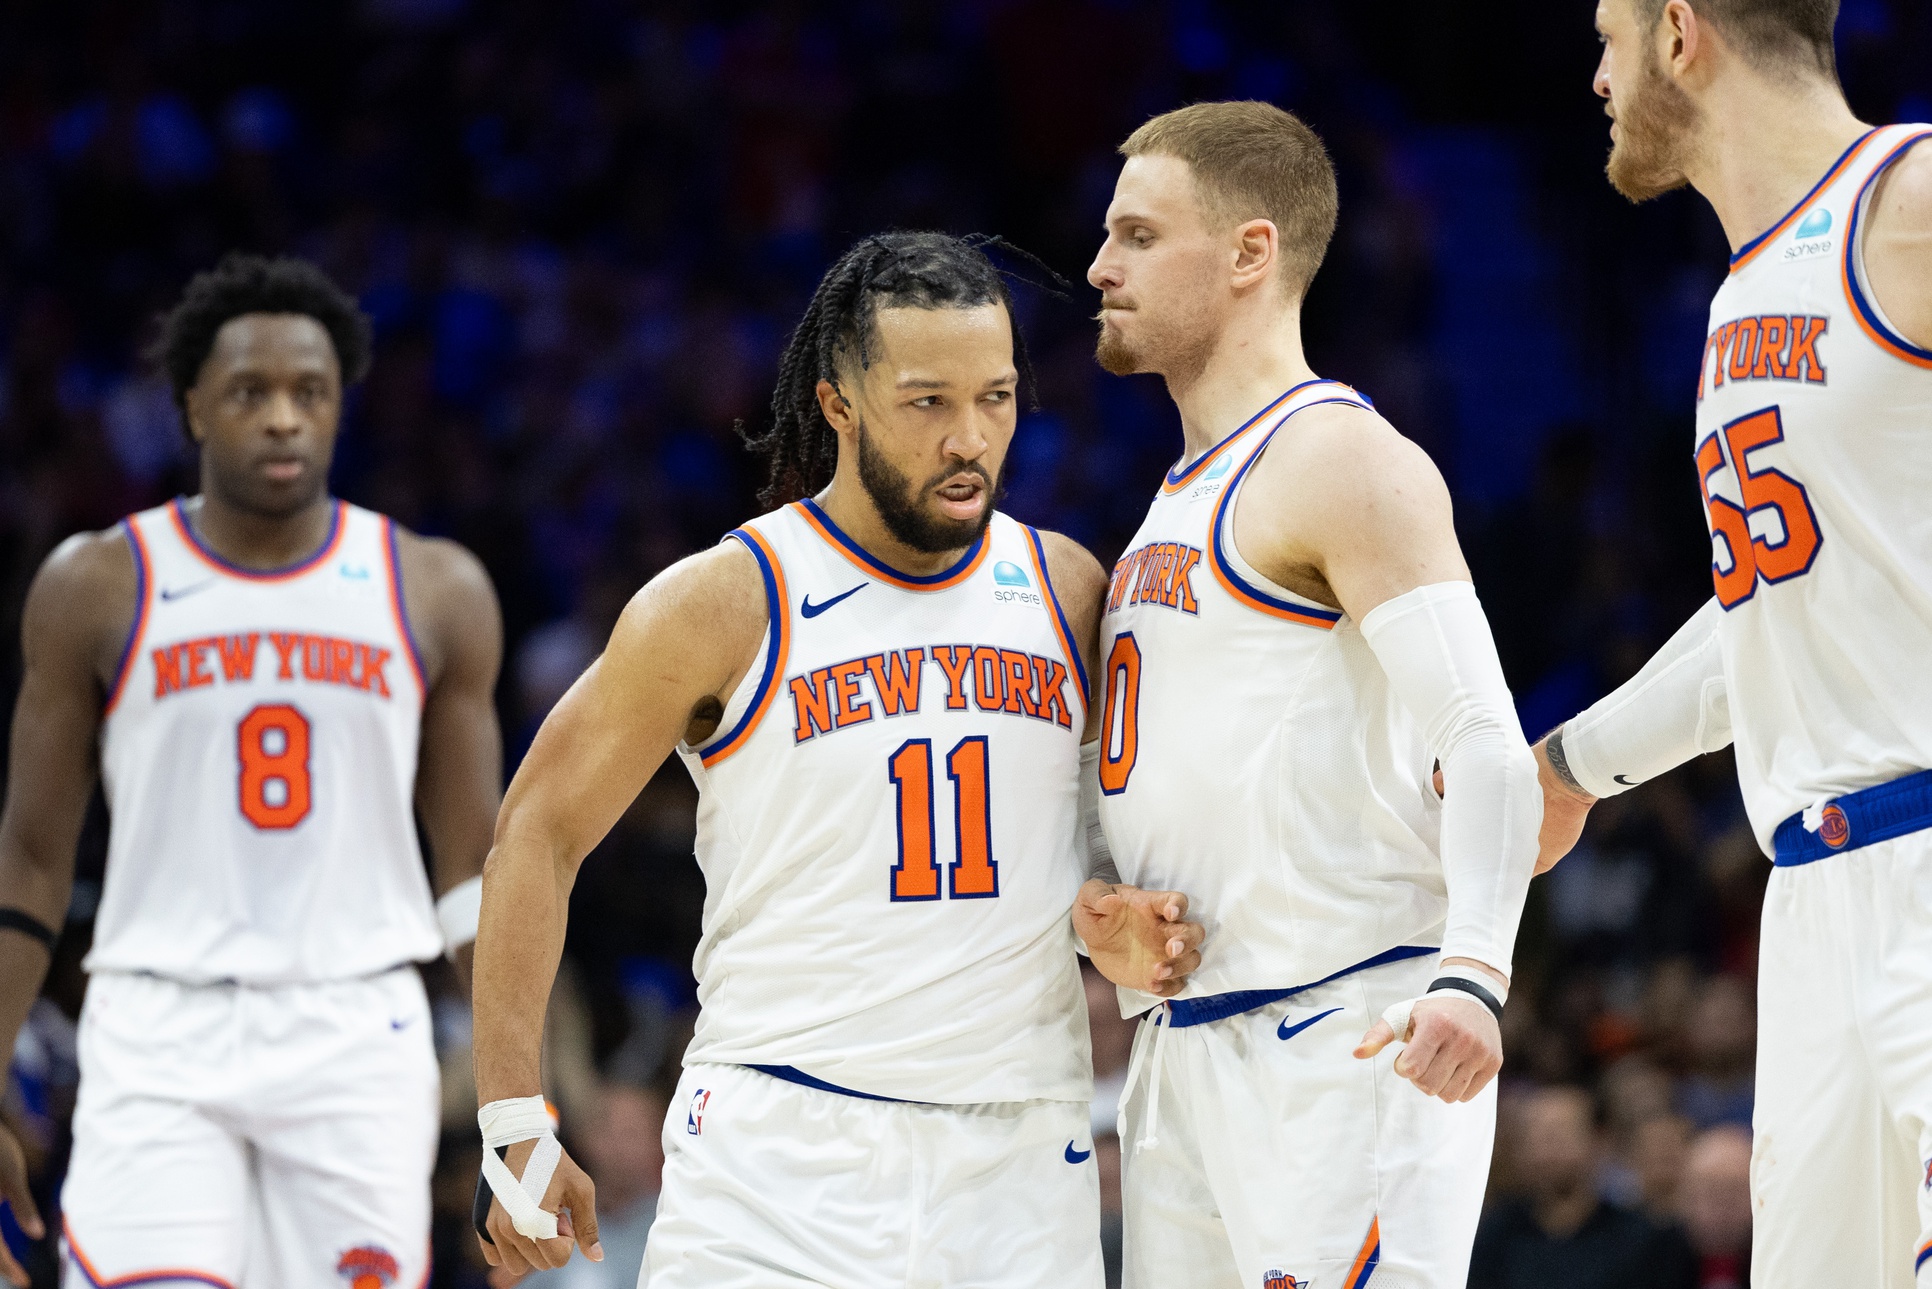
<point x="273" y="744"/>
<point x="973" y="875"/>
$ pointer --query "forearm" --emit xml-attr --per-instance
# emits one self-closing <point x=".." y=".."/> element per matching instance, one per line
<point x="1674" y="709"/>
<point x="1436" y="649"/>
<point x="41" y="891"/>
<point x="520" y="938"/>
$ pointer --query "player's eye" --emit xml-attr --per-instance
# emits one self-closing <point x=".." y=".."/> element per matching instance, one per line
<point x="926" y="400"/>
<point x="999" y="395"/>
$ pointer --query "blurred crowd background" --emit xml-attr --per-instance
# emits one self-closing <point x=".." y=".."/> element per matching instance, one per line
<point x="583" y="230"/>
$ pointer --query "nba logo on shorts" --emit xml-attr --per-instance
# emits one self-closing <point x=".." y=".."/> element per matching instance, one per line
<point x="1281" y="1280"/>
<point x="368" y="1267"/>
<point x="1833" y="828"/>
<point x="694" y="1121"/>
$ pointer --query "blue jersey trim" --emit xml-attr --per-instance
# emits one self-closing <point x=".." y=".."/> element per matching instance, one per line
<point x="780" y="614"/>
<point x="302" y="565"/>
<point x="792" y="1074"/>
<point x="1862" y="818"/>
<point x="1177" y="477"/>
<point x="402" y="607"/>
<point x="1866" y="313"/>
<point x="879" y="566"/>
<point x="1067" y="641"/>
<point x="1745" y="251"/>
<point x="1188" y="1012"/>
<point x="140" y="613"/>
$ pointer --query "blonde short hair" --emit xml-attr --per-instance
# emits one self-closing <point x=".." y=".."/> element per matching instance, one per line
<point x="1253" y="161"/>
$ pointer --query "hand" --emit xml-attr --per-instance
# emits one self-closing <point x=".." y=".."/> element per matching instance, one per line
<point x="1137" y="938"/>
<point x="1454" y="1047"/>
<point x="572" y="1197"/>
<point x="14" y="1190"/>
<point x="1564" y="809"/>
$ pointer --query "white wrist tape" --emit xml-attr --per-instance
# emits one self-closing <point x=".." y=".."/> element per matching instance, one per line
<point x="458" y="911"/>
<point x="505" y="1123"/>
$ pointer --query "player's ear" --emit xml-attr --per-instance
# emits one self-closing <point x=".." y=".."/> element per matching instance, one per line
<point x="1257" y="251"/>
<point x="190" y="416"/>
<point x="838" y="410"/>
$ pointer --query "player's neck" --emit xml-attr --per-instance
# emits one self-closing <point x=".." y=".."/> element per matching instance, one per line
<point x="1257" y="358"/>
<point x="256" y="541"/>
<point x="848" y="505"/>
<point x="1765" y="144"/>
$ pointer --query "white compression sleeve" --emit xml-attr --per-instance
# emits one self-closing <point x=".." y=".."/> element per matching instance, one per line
<point x="1674" y="709"/>
<point x="1435" y="646"/>
<point x="1100" y="857"/>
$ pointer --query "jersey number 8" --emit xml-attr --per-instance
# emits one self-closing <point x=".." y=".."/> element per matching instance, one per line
<point x="1763" y="490"/>
<point x="273" y="743"/>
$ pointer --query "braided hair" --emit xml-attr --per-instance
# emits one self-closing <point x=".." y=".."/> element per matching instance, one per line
<point x="886" y="271"/>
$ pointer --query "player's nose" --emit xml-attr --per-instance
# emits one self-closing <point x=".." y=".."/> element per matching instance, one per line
<point x="1102" y="275"/>
<point x="281" y="416"/>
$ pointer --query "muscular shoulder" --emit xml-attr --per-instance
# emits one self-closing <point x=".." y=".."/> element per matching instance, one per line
<point x="1079" y="583"/>
<point x="708" y="609"/>
<point x="1898" y="244"/>
<point x="451" y="602"/>
<point x="82" y="603"/>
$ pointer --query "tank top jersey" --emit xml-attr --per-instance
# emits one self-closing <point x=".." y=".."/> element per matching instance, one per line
<point x="1254" y="755"/>
<point x="887" y="821"/>
<point x="1814" y="455"/>
<point x="259" y="760"/>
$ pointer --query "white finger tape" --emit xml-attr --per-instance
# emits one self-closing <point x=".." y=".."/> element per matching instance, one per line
<point x="505" y="1123"/>
<point x="1401" y="1017"/>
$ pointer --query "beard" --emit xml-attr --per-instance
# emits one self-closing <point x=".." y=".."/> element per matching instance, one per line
<point x="1176" y="348"/>
<point x="902" y="506"/>
<point x="1657" y="121"/>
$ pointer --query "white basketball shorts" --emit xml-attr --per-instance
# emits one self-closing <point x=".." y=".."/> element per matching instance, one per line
<point x="1282" y="1162"/>
<point x="264" y="1137"/>
<point x="1841" y="1165"/>
<point x="768" y="1184"/>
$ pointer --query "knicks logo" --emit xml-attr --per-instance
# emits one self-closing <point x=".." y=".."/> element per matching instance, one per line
<point x="368" y="1267"/>
<point x="694" y="1120"/>
<point x="1833" y="828"/>
<point x="1281" y="1280"/>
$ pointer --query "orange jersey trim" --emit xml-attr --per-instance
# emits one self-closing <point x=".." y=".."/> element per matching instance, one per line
<point x="779" y="607"/>
<point x="1862" y="308"/>
<point x="1254" y="597"/>
<point x="1366" y="1260"/>
<point x="1178" y="479"/>
<point x="132" y="649"/>
<point x="399" y="609"/>
<point x="337" y="524"/>
<point x="159" y="1275"/>
<point x="1037" y="552"/>
<point x="1755" y="247"/>
<point x="871" y="566"/>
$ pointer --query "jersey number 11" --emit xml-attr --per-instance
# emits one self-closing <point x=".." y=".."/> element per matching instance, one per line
<point x="972" y="875"/>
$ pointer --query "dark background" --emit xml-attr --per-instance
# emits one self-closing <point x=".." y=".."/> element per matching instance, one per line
<point x="584" y="229"/>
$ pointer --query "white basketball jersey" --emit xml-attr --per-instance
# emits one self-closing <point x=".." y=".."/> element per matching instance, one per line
<point x="1814" y="452"/>
<point x="1255" y="756"/>
<point x="259" y="757"/>
<point x="887" y="821"/>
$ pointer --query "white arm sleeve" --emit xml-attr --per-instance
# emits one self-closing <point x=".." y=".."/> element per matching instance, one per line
<point x="1674" y="709"/>
<point x="1435" y="646"/>
<point x="1100" y="857"/>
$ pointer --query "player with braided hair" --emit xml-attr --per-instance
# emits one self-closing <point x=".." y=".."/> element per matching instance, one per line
<point x="880" y="688"/>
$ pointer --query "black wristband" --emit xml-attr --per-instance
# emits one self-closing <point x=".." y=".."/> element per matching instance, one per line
<point x="1471" y="988"/>
<point x="12" y="919"/>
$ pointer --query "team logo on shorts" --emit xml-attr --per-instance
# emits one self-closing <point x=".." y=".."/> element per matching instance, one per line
<point x="1833" y="828"/>
<point x="1281" y="1280"/>
<point x="368" y="1267"/>
<point x="1928" y="1174"/>
<point x="694" y="1121"/>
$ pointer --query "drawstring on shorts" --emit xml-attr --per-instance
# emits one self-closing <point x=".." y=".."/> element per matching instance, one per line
<point x="1150" y="1130"/>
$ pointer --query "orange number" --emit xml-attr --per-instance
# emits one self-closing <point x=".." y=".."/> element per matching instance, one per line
<point x="974" y="875"/>
<point x="1762" y="490"/>
<point x="274" y="781"/>
<point x="1120" y="744"/>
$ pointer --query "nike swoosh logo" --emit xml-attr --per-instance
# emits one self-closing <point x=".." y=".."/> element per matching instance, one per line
<point x="1628" y="783"/>
<point x="177" y="592"/>
<point x="810" y="610"/>
<point x="400" y="1024"/>
<point x="1078" y="1156"/>
<point x="1286" y="1031"/>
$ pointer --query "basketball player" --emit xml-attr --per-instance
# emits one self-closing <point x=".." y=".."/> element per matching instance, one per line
<point x="1814" y="455"/>
<point x="880" y="689"/>
<point x="275" y="682"/>
<point x="1290" y="644"/>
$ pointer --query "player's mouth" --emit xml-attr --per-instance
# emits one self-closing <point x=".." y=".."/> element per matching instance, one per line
<point x="962" y="497"/>
<point x="283" y="469"/>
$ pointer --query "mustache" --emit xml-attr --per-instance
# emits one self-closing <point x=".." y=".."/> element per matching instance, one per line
<point x="1115" y="305"/>
<point x="950" y="473"/>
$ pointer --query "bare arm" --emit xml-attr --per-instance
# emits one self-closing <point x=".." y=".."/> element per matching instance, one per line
<point x="1345" y="510"/>
<point x="680" y="648"/>
<point x="459" y="772"/>
<point x="1898" y="245"/>
<point x="78" y="614"/>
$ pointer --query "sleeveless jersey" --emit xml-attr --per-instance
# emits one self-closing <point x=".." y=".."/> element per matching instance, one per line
<point x="259" y="759"/>
<point x="1814" y="454"/>
<point x="887" y="825"/>
<point x="1254" y="755"/>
